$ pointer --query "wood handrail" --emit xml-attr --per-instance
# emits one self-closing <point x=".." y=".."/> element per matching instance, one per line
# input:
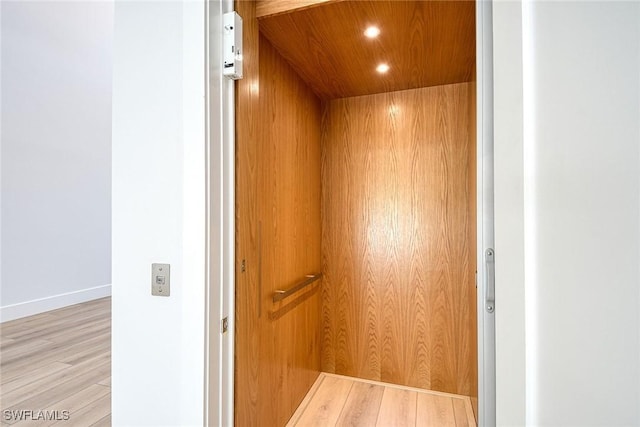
<point x="281" y="294"/>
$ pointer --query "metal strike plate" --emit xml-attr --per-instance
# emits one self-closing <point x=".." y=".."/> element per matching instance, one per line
<point x="490" y="266"/>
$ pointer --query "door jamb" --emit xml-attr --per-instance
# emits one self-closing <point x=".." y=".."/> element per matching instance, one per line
<point x="220" y="236"/>
<point x="219" y="393"/>
<point x="485" y="214"/>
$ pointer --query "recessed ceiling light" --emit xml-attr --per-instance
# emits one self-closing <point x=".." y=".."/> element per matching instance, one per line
<point x="382" y="68"/>
<point x="372" y="32"/>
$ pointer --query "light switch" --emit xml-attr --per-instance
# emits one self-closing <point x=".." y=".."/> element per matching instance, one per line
<point x="160" y="279"/>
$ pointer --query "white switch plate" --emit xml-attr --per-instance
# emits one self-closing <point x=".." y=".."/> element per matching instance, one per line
<point x="160" y="279"/>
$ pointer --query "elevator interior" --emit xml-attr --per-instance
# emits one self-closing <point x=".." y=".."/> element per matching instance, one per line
<point x="361" y="177"/>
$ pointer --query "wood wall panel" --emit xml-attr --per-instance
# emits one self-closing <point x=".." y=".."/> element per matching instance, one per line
<point x="277" y="352"/>
<point x="473" y="231"/>
<point x="248" y="156"/>
<point x="398" y="238"/>
<point x="290" y="194"/>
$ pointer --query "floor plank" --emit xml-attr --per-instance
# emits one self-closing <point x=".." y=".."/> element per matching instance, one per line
<point x="34" y="375"/>
<point x="90" y="414"/>
<point x="336" y="400"/>
<point x="58" y="361"/>
<point x="73" y="404"/>
<point x="83" y="329"/>
<point x="398" y="408"/>
<point x="4" y="341"/>
<point x="298" y="413"/>
<point x="19" y="349"/>
<point x="86" y="373"/>
<point x="460" y="412"/>
<point x="26" y="323"/>
<point x="53" y="353"/>
<point x="434" y="410"/>
<point x="66" y="327"/>
<point x="362" y="405"/>
<point x="325" y="407"/>
<point x="103" y="422"/>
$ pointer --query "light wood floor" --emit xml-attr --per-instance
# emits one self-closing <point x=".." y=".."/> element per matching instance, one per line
<point x="336" y="400"/>
<point x="58" y="361"/>
<point x="61" y="361"/>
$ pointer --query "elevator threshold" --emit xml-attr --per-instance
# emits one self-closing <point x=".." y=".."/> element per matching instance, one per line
<point x="337" y="400"/>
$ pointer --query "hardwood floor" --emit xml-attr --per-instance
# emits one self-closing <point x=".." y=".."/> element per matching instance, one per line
<point x="57" y="365"/>
<point x="61" y="361"/>
<point x="336" y="400"/>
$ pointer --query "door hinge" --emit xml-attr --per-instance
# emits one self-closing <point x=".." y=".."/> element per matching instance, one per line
<point x="225" y="324"/>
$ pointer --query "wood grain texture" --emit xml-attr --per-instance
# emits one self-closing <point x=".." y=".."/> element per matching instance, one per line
<point x="91" y="414"/>
<point x="34" y="375"/>
<point x="74" y="403"/>
<point x="305" y="402"/>
<point x="325" y="407"/>
<point x="435" y="411"/>
<point x="336" y="400"/>
<point x="362" y="405"/>
<point x="247" y="239"/>
<point x="460" y="413"/>
<point x="425" y="43"/>
<point x="398" y="243"/>
<point x="59" y="360"/>
<point x="103" y="422"/>
<point x="473" y="231"/>
<point x="397" y="408"/>
<point x="266" y="8"/>
<point x="290" y="198"/>
<point x="278" y="234"/>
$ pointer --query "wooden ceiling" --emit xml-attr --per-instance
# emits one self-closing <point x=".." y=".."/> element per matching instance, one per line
<point x="425" y="43"/>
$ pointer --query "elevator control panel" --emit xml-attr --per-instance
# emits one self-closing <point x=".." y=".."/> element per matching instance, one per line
<point x="160" y="279"/>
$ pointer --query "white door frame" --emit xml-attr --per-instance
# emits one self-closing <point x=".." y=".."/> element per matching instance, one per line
<point x="220" y="236"/>
<point x="220" y="102"/>
<point x="485" y="215"/>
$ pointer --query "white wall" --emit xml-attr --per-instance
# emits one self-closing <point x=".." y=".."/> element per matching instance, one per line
<point x="509" y="214"/>
<point x="586" y="196"/>
<point x="56" y="154"/>
<point x="158" y="375"/>
<point x="569" y="170"/>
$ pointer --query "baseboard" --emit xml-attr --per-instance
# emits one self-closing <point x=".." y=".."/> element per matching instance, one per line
<point x="29" y="308"/>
